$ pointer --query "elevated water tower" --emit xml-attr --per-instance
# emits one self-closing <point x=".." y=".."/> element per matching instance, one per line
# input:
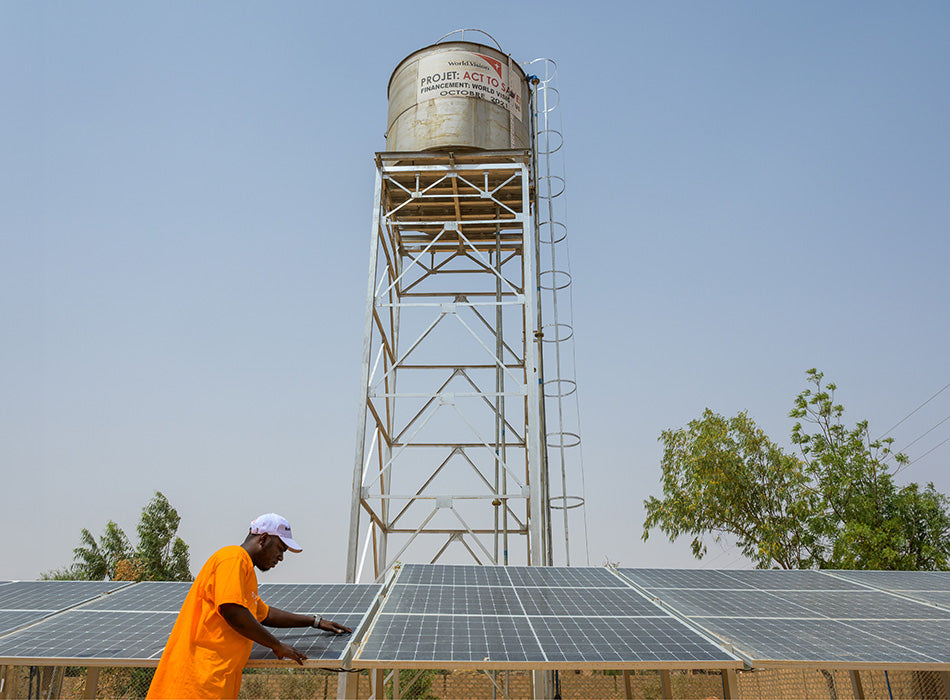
<point x="451" y="455"/>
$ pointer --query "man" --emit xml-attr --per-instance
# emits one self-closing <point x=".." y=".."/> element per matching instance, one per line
<point x="223" y="615"/>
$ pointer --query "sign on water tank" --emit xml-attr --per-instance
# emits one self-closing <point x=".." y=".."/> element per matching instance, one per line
<point x="468" y="74"/>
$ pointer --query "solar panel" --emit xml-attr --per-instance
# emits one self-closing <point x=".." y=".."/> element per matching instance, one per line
<point x="570" y="577"/>
<point x="448" y="600"/>
<point x="90" y="634"/>
<point x="447" y="575"/>
<point x="585" y="601"/>
<point x="681" y="578"/>
<point x="897" y="580"/>
<point x="25" y="602"/>
<point x="524" y="617"/>
<point x="14" y="619"/>
<point x="485" y="641"/>
<point x="788" y="580"/>
<point x="53" y="595"/>
<point x="344" y="603"/>
<point x="324" y="599"/>
<point x="618" y="641"/>
<point x="317" y="645"/>
<point x="132" y="625"/>
<point x="728" y="603"/>
<point x="777" y="617"/>
<point x="147" y="596"/>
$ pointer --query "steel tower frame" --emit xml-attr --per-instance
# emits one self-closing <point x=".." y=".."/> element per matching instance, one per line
<point x="450" y="449"/>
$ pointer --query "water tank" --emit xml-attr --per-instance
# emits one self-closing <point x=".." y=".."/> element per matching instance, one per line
<point x="458" y="95"/>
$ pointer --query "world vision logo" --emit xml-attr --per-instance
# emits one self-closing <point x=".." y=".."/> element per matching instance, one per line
<point x="494" y="63"/>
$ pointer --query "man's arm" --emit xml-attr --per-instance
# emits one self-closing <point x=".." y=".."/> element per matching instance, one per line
<point x="244" y="623"/>
<point x="281" y="618"/>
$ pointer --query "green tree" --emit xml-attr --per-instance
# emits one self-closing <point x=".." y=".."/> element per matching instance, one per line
<point x="724" y="476"/>
<point x="835" y="504"/>
<point x="160" y="555"/>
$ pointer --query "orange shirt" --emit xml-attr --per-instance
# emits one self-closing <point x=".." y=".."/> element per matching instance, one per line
<point x="204" y="655"/>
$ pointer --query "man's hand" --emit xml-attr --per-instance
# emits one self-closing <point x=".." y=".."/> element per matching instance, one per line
<point x="330" y="626"/>
<point x="285" y="651"/>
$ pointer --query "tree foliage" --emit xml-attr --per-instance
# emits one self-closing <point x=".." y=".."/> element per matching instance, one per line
<point x="834" y="504"/>
<point x="159" y="556"/>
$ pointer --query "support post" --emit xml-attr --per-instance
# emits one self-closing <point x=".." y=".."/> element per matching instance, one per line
<point x="730" y="684"/>
<point x="92" y="683"/>
<point x="397" y="691"/>
<point x="856" y="685"/>
<point x="666" y="685"/>
<point x="348" y="686"/>
<point x="352" y="558"/>
<point x="56" y="682"/>
<point x="377" y="679"/>
<point x="4" y="681"/>
<point x="627" y="685"/>
<point x="945" y="677"/>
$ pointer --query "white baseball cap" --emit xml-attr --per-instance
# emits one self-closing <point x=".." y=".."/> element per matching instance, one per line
<point x="273" y="524"/>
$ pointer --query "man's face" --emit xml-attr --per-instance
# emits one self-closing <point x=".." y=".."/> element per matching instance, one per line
<point x="271" y="553"/>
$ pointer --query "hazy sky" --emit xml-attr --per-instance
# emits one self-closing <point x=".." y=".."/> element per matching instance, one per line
<point x="186" y="189"/>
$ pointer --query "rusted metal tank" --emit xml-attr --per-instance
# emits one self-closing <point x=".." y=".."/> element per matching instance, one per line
<point x="458" y="95"/>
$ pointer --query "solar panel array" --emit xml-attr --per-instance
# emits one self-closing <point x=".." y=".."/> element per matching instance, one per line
<point x="131" y="625"/>
<point x="782" y="618"/>
<point x="436" y="616"/>
<point x="528" y="617"/>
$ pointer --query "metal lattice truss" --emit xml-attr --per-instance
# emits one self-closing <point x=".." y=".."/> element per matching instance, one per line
<point x="448" y="451"/>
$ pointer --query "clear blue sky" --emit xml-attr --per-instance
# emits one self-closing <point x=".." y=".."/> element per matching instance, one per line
<point x="754" y="189"/>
